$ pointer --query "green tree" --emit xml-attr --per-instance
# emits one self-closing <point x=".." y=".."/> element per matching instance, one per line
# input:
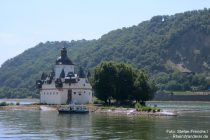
<point x="124" y="82"/>
<point x="104" y="80"/>
<point x="121" y="82"/>
<point x="143" y="88"/>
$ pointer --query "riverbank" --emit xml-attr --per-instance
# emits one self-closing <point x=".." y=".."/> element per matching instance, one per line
<point x="133" y="112"/>
<point x="94" y="109"/>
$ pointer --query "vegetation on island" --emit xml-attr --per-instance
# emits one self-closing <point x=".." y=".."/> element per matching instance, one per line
<point x="174" y="50"/>
<point x="7" y="104"/>
<point x="121" y="82"/>
<point x="4" y="104"/>
<point x="139" y="108"/>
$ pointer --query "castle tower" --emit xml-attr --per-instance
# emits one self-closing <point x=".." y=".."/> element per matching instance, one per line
<point x="63" y="63"/>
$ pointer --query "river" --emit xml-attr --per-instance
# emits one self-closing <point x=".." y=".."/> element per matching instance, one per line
<point x="193" y="120"/>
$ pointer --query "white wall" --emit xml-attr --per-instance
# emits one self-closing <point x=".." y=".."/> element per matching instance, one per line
<point x="82" y="89"/>
<point x="81" y="96"/>
<point x="53" y="97"/>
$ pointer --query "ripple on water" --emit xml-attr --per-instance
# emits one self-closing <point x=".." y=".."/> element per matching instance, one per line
<point x="27" y="124"/>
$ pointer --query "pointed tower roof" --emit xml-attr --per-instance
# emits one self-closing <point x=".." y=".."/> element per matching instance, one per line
<point x="63" y="59"/>
<point x="62" y="75"/>
<point x="81" y="73"/>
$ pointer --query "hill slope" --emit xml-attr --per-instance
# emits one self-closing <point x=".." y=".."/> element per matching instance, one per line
<point x="180" y="42"/>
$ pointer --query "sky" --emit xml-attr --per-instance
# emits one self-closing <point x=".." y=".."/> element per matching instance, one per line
<point x="25" y="23"/>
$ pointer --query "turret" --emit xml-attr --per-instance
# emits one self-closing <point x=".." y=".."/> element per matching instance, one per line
<point x="63" y="63"/>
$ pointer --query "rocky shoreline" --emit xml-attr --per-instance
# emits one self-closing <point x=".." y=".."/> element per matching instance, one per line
<point x="133" y="112"/>
<point x="94" y="109"/>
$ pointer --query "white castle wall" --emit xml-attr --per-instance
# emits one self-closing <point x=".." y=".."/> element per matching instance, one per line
<point x="81" y="93"/>
<point x="53" y="96"/>
<point x="81" y="96"/>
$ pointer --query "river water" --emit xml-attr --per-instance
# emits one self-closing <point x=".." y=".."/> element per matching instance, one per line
<point x="193" y="119"/>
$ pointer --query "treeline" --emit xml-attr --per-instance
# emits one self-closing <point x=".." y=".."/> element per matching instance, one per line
<point x="121" y="82"/>
<point x="181" y="39"/>
<point x="178" y="81"/>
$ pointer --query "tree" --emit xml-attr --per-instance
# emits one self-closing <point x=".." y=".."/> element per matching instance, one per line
<point x="124" y="81"/>
<point x="143" y="88"/>
<point x="121" y="82"/>
<point x="104" y="80"/>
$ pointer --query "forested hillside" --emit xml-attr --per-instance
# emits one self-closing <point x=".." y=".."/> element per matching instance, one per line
<point x="167" y="47"/>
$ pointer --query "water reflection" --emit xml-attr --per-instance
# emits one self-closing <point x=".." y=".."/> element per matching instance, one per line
<point x="35" y="124"/>
<point x="19" y="124"/>
<point x="106" y="126"/>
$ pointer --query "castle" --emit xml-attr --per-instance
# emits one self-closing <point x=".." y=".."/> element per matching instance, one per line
<point x="63" y="85"/>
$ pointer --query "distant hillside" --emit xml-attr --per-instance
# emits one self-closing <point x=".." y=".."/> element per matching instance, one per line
<point x="164" y="44"/>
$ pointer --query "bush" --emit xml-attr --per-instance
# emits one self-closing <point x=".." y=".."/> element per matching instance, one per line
<point x="3" y="104"/>
<point x="139" y="107"/>
<point x="97" y="101"/>
<point x="17" y="103"/>
<point x="146" y="108"/>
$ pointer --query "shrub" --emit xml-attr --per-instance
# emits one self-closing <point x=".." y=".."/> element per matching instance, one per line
<point x="146" y="108"/>
<point x="138" y="106"/>
<point x="10" y="104"/>
<point x="96" y="101"/>
<point x="3" y="104"/>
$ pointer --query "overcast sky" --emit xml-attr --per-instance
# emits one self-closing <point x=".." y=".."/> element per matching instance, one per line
<point x="25" y="23"/>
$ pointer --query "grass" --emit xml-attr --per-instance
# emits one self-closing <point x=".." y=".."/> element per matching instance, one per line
<point x="137" y="106"/>
<point x="108" y="107"/>
<point x="97" y="101"/>
<point x="140" y="108"/>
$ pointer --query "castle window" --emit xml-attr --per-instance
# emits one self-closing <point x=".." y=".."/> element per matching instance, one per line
<point x="79" y="94"/>
<point x="83" y="84"/>
<point x="57" y="93"/>
<point x="74" y="92"/>
<point x="84" y="91"/>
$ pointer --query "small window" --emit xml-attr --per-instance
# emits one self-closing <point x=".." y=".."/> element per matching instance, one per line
<point x="79" y="94"/>
<point x="74" y="92"/>
<point x="84" y="91"/>
<point x="57" y="93"/>
<point x="84" y="85"/>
